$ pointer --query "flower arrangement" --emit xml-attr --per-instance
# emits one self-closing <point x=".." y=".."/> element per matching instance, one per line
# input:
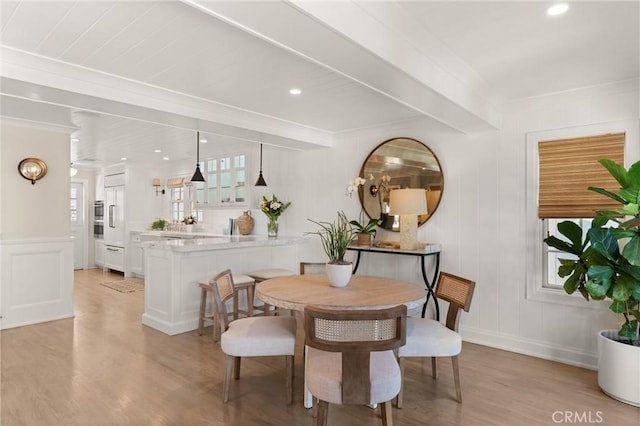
<point x="273" y="209"/>
<point x="190" y="220"/>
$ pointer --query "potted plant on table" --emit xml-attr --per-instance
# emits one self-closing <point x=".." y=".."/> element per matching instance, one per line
<point x="336" y="237"/>
<point x="365" y="232"/>
<point x="606" y="265"/>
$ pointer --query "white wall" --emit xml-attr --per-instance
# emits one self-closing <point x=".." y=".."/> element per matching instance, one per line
<point x="480" y="220"/>
<point x="36" y="252"/>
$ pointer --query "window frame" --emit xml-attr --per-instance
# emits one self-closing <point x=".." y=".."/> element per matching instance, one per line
<point x="535" y="229"/>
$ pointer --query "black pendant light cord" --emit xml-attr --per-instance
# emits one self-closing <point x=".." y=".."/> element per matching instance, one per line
<point x="261" y="181"/>
<point x="197" y="175"/>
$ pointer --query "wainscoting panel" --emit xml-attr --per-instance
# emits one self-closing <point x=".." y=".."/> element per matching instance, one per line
<point x="37" y="281"/>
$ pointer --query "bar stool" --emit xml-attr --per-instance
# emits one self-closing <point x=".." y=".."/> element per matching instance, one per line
<point x="240" y="282"/>
<point x="266" y="274"/>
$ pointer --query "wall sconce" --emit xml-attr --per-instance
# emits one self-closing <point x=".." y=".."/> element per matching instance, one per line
<point x="32" y="169"/>
<point x="157" y="184"/>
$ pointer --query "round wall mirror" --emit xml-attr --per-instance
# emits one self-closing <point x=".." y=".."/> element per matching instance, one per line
<point x="395" y="164"/>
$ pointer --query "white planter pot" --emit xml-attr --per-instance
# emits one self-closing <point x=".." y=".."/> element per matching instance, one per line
<point x="618" y="368"/>
<point x="339" y="275"/>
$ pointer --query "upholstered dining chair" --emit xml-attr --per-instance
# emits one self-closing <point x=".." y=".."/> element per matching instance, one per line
<point x="430" y="338"/>
<point x="350" y="357"/>
<point x="252" y="336"/>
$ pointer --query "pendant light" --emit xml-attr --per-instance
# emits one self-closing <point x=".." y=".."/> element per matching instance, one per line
<point x="197" y="176"/>
<point x="260" y="181"/>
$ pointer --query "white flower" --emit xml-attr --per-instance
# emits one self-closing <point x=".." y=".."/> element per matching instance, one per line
<point x="353" y="185"/>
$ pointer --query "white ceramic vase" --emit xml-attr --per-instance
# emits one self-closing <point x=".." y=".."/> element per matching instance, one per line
<point x="618" y="368"/>
<point x="339" y="275"/>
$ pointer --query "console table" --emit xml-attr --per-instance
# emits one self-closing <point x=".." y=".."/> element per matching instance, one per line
<point x="423" y="252"/>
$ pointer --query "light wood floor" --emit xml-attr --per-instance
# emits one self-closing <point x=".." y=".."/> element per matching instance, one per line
<point x="105" y="368"/>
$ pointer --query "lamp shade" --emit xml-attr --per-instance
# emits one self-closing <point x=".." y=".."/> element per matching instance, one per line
<point x="407" y="201"/>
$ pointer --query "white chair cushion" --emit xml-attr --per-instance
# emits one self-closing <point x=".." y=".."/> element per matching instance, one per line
<point x="237" y="279"/>
<point x="260" y="336"/>
<point x="267" y="274"/>
<point x="426" y="337"/>
<point x="323" y="375"/>
<point x="242" y="279"/>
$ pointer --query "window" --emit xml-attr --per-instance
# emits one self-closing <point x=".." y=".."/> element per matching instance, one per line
<point x="225" y="181"/>
<point x="177" y="203"/>
<point x="550" y="198"/>
<point x="552" y="262"/>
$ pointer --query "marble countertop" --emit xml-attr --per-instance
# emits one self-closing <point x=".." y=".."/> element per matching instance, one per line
<point x="204" y="241"/>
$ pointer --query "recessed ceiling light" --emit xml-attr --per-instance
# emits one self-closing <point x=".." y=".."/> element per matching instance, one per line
<point x="123" y="158"/>
<point x="295" y="92"/>
<point x="157" y="150"/>
<point x="557" y="9"/>
<point x="165" y="158"/>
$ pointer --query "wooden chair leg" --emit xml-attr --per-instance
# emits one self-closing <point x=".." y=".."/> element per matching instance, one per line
<point x="216" y="324"/>
<point x="289" y="384"/>
<point x="456" y="378"/>
<point x="323" y="413"/>
<point x="385" y="411"/>
<point x="235" y="306"/>
<point x="203" y="307"/>
<point x="434" y="367"/>
<point x="250" y="301"/>
<point x="236" y="369"/>
<point x="227" y="378"/>
<point x="400" y="396"/>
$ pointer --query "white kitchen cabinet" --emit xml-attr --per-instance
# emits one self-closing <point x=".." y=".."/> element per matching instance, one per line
<point x="98" y="253"/>
<point x="114" y="258"/>
<point x="136" y="255"/>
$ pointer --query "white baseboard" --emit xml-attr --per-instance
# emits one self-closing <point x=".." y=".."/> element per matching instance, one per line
<point x="531" y="347"/>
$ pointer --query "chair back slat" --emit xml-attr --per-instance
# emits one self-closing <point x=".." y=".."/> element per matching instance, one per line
<point x="458" y="292"/>
<point x="223" y="289"/>
<point x="355" y="333"/>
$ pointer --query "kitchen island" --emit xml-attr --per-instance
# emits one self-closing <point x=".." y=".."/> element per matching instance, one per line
<point x="175" y="265"/>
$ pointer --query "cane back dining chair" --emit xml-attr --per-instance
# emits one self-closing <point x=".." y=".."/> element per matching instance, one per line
<point x="430" y="338"/>
<point x="252" y="336"/>
<point x="350" y="357"/>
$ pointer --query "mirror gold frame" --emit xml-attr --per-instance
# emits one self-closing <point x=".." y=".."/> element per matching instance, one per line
<point x="394" y="164"/>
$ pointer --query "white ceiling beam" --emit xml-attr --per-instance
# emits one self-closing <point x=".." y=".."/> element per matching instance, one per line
<point x="64" y="84"/>
<point x="365" y="43"/>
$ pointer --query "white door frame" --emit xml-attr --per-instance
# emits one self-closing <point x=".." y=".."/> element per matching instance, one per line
<point x="88" y="220"/>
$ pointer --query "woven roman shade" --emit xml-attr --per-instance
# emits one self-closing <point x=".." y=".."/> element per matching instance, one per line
<point x="567" y="167"/>
<point x="175" y="182"/>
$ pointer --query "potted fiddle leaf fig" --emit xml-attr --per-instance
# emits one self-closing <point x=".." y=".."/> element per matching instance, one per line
<point x="606" y="265"/>
<point x="336" y="237"/>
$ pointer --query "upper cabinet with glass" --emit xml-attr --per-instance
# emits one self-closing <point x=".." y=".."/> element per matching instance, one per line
<point x="399" y="163"/>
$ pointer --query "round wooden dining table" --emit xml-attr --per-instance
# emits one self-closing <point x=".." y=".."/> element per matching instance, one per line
<point x="363" y="292"/>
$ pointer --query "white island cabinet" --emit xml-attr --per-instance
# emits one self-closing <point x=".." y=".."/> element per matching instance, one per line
<point x="173" y="269"/>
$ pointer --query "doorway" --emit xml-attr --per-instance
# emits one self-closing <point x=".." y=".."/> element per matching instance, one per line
<point x="79" y="222"/>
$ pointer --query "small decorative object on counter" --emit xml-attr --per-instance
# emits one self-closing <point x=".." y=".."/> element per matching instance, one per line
<point x="189" y="221"/>
<point x="273" y="209"/>
<point x="159" y="224"/>
<point x="245" y="223"/>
